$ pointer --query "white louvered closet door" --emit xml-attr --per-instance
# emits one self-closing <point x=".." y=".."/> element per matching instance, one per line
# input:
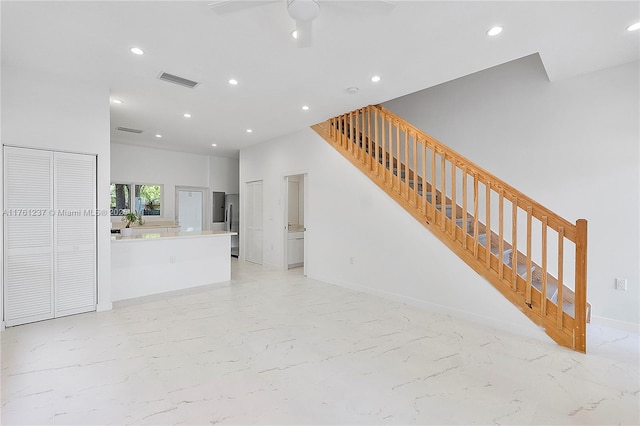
<point x="28" y="237"/>
<point x="74" y="233"/>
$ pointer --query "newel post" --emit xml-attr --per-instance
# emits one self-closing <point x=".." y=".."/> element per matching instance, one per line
<point x="580" y="327"/>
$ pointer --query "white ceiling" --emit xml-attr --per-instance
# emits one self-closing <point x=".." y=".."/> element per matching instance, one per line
<point x="412" y="46"/>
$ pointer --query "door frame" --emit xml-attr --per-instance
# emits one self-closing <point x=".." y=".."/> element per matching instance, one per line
<point x="285" y="213"/>
<point x="205" y="201"/>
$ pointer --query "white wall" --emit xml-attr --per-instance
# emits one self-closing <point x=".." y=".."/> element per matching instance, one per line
<point x="224" y="174"/>
<point x="350" y="218"/>
<point x="358" y="237"/>
<point x="572" y="145"/>
<point x="169" y="168"/>
<point x="44" y="111"/>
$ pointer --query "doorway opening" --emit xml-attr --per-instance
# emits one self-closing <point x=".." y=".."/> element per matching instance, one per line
<point x="295" y="221"/>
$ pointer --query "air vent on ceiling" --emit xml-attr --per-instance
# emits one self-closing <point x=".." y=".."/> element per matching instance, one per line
<point x="177" y="80"/>
<point x="127" y="129"/>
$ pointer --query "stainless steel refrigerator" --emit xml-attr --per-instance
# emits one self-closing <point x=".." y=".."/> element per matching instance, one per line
<point x="232" y="220"/>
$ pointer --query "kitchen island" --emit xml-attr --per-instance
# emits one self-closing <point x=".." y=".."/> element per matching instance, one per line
<point x="147" y="264"/>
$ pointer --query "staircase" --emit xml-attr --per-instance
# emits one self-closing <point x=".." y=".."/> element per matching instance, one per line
<point x="534" y="257"/>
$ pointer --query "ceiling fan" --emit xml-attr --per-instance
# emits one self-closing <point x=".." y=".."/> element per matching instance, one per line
<point x="303" y="12"/>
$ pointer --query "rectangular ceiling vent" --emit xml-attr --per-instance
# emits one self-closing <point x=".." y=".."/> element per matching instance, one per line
<point x="170" y="78"/>
<point x="127" y="129"/>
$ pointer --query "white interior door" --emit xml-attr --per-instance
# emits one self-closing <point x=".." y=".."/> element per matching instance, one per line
<point x="254" y="226"/>
<point x="75" y="233"/>
<point x="28" y="236"/>
<point x="190" y="209"/>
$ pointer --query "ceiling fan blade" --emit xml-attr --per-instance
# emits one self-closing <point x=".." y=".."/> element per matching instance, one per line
<point x="304" y="37"/>
<point x="224" y="7"/>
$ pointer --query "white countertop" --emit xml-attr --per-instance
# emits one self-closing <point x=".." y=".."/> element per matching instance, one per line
<point x="169" y="235"/>
<point x="147" y="225"/>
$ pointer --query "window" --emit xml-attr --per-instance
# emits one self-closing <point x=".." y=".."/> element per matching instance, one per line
<point x="120" y="199"/>
<point x="146" y="200"/>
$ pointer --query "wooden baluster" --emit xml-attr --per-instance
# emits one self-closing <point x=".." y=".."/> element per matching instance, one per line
<point x="399" y="159"/>
<point x="365" y="138"/>
<point x="487" y="228"/>
<point x="433" y="184"/>
<point x="514" y="243"/>
<point x="350" y="134"/>
<point x="391" y="157"/>
<point x="580" y="299"/>
<point x="375" y="141"/>
<point x="543" y="307"/>
<point x="353" y="133"/>
<point x="443" y="191"/>
<point x="465" y="215"/>
<point x="501" y="233"/>
<point x="331" y="129"/>
<point x="356" y="133"/>
<point x="560" y="275"/>
<point x="415" y="169"/>
<point x="424" y="179"/>
<point x="527" y="294"/>
<point x="406" y="164"/>
<point x="454" y="204"/>
<point x="383" y="146"/>
<point x="371" y="154"/>
<point x="475" y="214"/>
<point x="347" y="132"/>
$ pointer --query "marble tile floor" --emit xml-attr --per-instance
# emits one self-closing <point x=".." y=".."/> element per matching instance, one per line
<point x="274" y="347"/>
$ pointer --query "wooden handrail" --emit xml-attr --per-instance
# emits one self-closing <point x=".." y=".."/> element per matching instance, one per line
<point x="538" y="210"/>
<point x="409" y="175"/>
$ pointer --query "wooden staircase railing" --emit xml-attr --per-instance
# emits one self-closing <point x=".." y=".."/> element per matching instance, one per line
<point x="534" y="257"/>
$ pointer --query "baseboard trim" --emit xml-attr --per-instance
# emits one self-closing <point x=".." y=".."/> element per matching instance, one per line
<point x="613" y="323"/>
<point x="104" y="307"/>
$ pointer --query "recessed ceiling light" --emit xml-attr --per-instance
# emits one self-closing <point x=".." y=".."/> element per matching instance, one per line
<point x="305" y="107"/>
<point x="187" y="115"/>
<point x="233" y="81"/>
<point x="375" y="78"/>
<point x="294" y="34"/>
<point x="494" y="31"/>
<point x="214" y="145"/>
<point x="634" y="27"/>
<point x="137" y="51"/>
<point x="249" y="131"/>
<point x="352" y="90"/>
<point x="158" y="136"/>
<point x="116" y="101"/>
